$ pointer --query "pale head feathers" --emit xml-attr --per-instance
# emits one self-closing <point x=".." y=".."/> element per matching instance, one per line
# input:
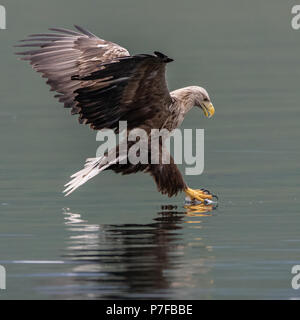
<point x="190" y="96"/>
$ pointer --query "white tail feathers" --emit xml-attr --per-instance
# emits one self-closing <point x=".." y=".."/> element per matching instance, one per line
<point x="92" y="167"/>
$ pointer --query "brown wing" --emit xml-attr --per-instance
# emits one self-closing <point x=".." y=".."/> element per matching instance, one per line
<point x="66" y="53"/>
<point x="131" y="89"/>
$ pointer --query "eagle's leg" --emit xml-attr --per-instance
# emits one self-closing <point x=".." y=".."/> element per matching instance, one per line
<point x="198" y="194"/>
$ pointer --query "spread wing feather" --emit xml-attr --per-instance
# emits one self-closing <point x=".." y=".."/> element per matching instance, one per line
<point x="66" y="53"/>
<point x="99" y="80"/>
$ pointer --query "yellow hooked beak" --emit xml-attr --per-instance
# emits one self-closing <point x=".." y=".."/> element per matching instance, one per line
<point x="208" y="109"/>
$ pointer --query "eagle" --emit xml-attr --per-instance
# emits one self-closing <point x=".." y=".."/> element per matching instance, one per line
<point x="102" y="83"/>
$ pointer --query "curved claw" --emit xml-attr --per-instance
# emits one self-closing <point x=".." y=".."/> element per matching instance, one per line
<point x="216" y="197"/>
<point x="206" y="191"/>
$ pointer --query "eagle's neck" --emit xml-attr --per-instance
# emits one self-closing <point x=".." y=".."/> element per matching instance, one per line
<point x="185" y="98"/>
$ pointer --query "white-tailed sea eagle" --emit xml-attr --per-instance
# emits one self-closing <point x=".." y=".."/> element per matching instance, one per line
<point x="104" y="84"/>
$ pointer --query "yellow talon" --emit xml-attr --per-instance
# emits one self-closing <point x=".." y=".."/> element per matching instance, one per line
<point x="197" y="194"/>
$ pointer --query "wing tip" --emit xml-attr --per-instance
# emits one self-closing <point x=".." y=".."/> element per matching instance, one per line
<point x="163" y="57"/>
<point x="84" y="31"/>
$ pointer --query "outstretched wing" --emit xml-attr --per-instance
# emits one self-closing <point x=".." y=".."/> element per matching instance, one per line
<point x="66" y="53"/>
<point x="99" y="80"/>
<point x="131" y="89"/>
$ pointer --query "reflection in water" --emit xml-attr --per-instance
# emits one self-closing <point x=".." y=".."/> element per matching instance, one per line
<point x="135" y="260"/>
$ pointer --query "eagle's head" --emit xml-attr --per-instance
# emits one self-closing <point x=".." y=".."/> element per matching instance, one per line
<point x="203" y="101"/>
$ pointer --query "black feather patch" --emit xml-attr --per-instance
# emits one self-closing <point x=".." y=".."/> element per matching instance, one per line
<point x="164" y="58"/>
